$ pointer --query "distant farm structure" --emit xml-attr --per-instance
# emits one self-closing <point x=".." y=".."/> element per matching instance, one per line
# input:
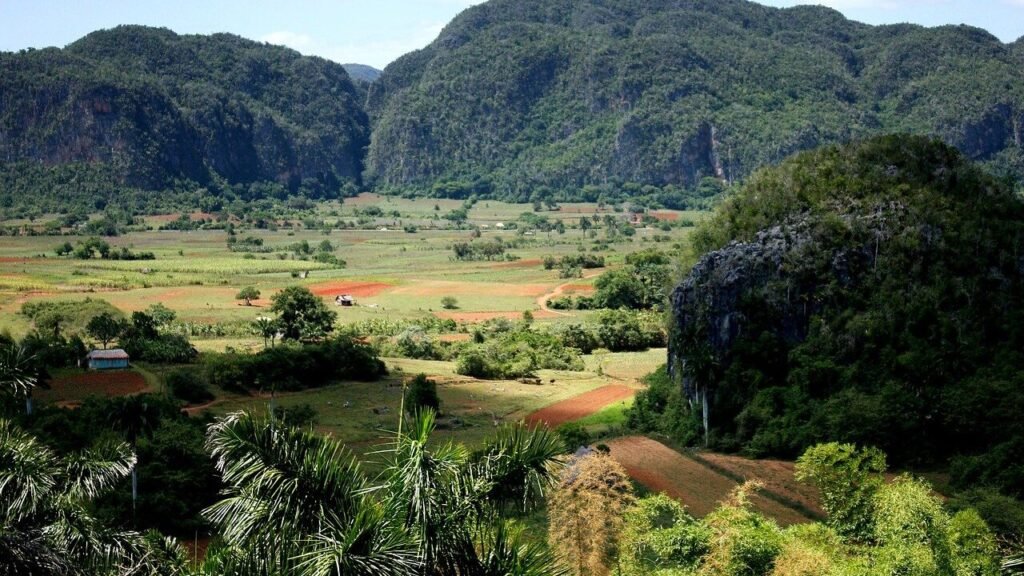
<point x="345" y="300"/>
<point x="115" y="359"/>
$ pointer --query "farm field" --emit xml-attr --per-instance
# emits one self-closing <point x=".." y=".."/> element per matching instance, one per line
<point x="393" y="274"/>
<point x="700" y="488"/>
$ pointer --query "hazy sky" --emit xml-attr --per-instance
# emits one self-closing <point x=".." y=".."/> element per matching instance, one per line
<point x="376" y="32"/>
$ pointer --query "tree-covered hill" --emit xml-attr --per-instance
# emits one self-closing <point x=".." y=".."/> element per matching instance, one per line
<point x="871" y="293"/>
<point x="362" y="72"/>
<point x="145" y="108"/>
<point x="533" y="96"/>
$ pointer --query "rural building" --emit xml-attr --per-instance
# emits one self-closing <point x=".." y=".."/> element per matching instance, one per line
<point x="107" y="359"/>
<point x="345" y="300"/>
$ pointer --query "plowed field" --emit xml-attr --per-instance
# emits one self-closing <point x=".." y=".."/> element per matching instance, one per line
<point x="580" y="406"/>
<point x="700" y="488"/>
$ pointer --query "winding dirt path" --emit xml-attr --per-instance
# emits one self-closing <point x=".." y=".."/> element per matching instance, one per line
<point x="542" y="301"/>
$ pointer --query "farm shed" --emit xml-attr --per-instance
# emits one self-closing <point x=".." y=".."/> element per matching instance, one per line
<point x="107" y="359"/>
<point x="345" y="300"/>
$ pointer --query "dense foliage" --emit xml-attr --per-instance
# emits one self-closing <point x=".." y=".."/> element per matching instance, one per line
<point x="296" y="366"/>
<point x="135" y="109"/>
<point x="875" y="295"/>
<point x="540" y="99"/>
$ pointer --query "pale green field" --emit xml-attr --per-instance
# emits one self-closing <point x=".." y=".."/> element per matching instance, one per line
<point x="197" y="276"/>
<point x="470" y="408"/>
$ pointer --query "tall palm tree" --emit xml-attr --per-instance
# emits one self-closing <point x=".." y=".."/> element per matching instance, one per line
<point x="297" y="503"/>
<point x="45" y="523"/>
<point x="134" y="416"/>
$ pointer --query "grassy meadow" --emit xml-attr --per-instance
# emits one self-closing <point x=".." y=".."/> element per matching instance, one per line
<point x="393" y="274"/>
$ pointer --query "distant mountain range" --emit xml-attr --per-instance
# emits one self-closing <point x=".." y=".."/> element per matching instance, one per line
<point x="515" y="99"/>
<point x="362" y="72"/>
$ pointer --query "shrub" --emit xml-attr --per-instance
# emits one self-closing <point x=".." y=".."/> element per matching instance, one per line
<point x="188" y="386"/>
<point x="299" y="416"/>
<point x="421" y="393"/>
<point x="573" y="435"/>
<point x="449" y="303"/>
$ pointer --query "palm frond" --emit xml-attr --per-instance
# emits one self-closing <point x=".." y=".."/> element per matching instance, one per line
<point x="18" y="375"/>
<point x="370" y="544"/>
<point x="521" y="464"/>
<point x="92" y="472"/>
<point x="28" y="473"/>
<point x="504" y="552"/>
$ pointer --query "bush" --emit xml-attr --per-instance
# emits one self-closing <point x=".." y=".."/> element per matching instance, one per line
<point x="296" y="367"/>
<point x="573" y="435"/>
<point x="449" y="303"/>
<point x="517" y="354"/>
<point x="188" y="386"/>
<point x="421" y="393"/>
<point x="299" y="416"/>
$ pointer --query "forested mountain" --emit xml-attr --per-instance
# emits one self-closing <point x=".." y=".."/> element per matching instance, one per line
<point x="871" y="293"/>
<point x="534" y="96"/>
<point x="145" y="108"/>
<point x="362" y="72"/>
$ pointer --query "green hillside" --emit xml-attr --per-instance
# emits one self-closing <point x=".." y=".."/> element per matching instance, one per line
<point x="870" y="293"/>
<point x="541" y="97"/>
<point x="137" y="108"/>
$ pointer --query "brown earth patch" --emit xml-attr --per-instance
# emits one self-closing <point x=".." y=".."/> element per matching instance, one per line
<point x="776" y="475"/>
<point x="578" y="289"/>
<point x="455" y="337"/>
<point x="697" y="486"/>
<point x="361" y="289"/>
<point x="448" y="288"/>
<point x="665" y="216"/>
<point x="76" y="387"/>
<point x="580" y="406"/>
<point x="528" y="263"/>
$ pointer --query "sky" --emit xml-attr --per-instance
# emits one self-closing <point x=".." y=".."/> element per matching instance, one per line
<point x="375" y="32"/>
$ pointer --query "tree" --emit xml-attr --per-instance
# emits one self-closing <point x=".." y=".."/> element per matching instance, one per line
<point x="302" y="315"/>
<point x="848" y="478"/>
<point x="46" y="521"/>
<point x="297" y="503"/>
<point x="268" y="328"/>
<point x="162" y="315"/>
<point x="586" y="513"/>
<point x="104" y="328"/>
<point x="449" y="303"/>
<point x="249" y="293"/>
<point x="421" y="394"/>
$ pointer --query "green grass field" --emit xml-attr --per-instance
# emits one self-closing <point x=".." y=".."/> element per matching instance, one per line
<point x="197" y="276"/>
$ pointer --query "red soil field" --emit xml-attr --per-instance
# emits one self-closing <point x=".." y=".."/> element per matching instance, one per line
<point x="580" y="406"/>
<point x="361" y="289"/>
<point x="698" y="487"/>
<point x="76" y="387"/>
<point x="665" y="216"/>
<point x="776" y="475"/>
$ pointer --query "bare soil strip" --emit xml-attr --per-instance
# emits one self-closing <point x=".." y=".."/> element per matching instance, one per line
<point x="580" y="406"/>
<point x="698" y="487"/>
